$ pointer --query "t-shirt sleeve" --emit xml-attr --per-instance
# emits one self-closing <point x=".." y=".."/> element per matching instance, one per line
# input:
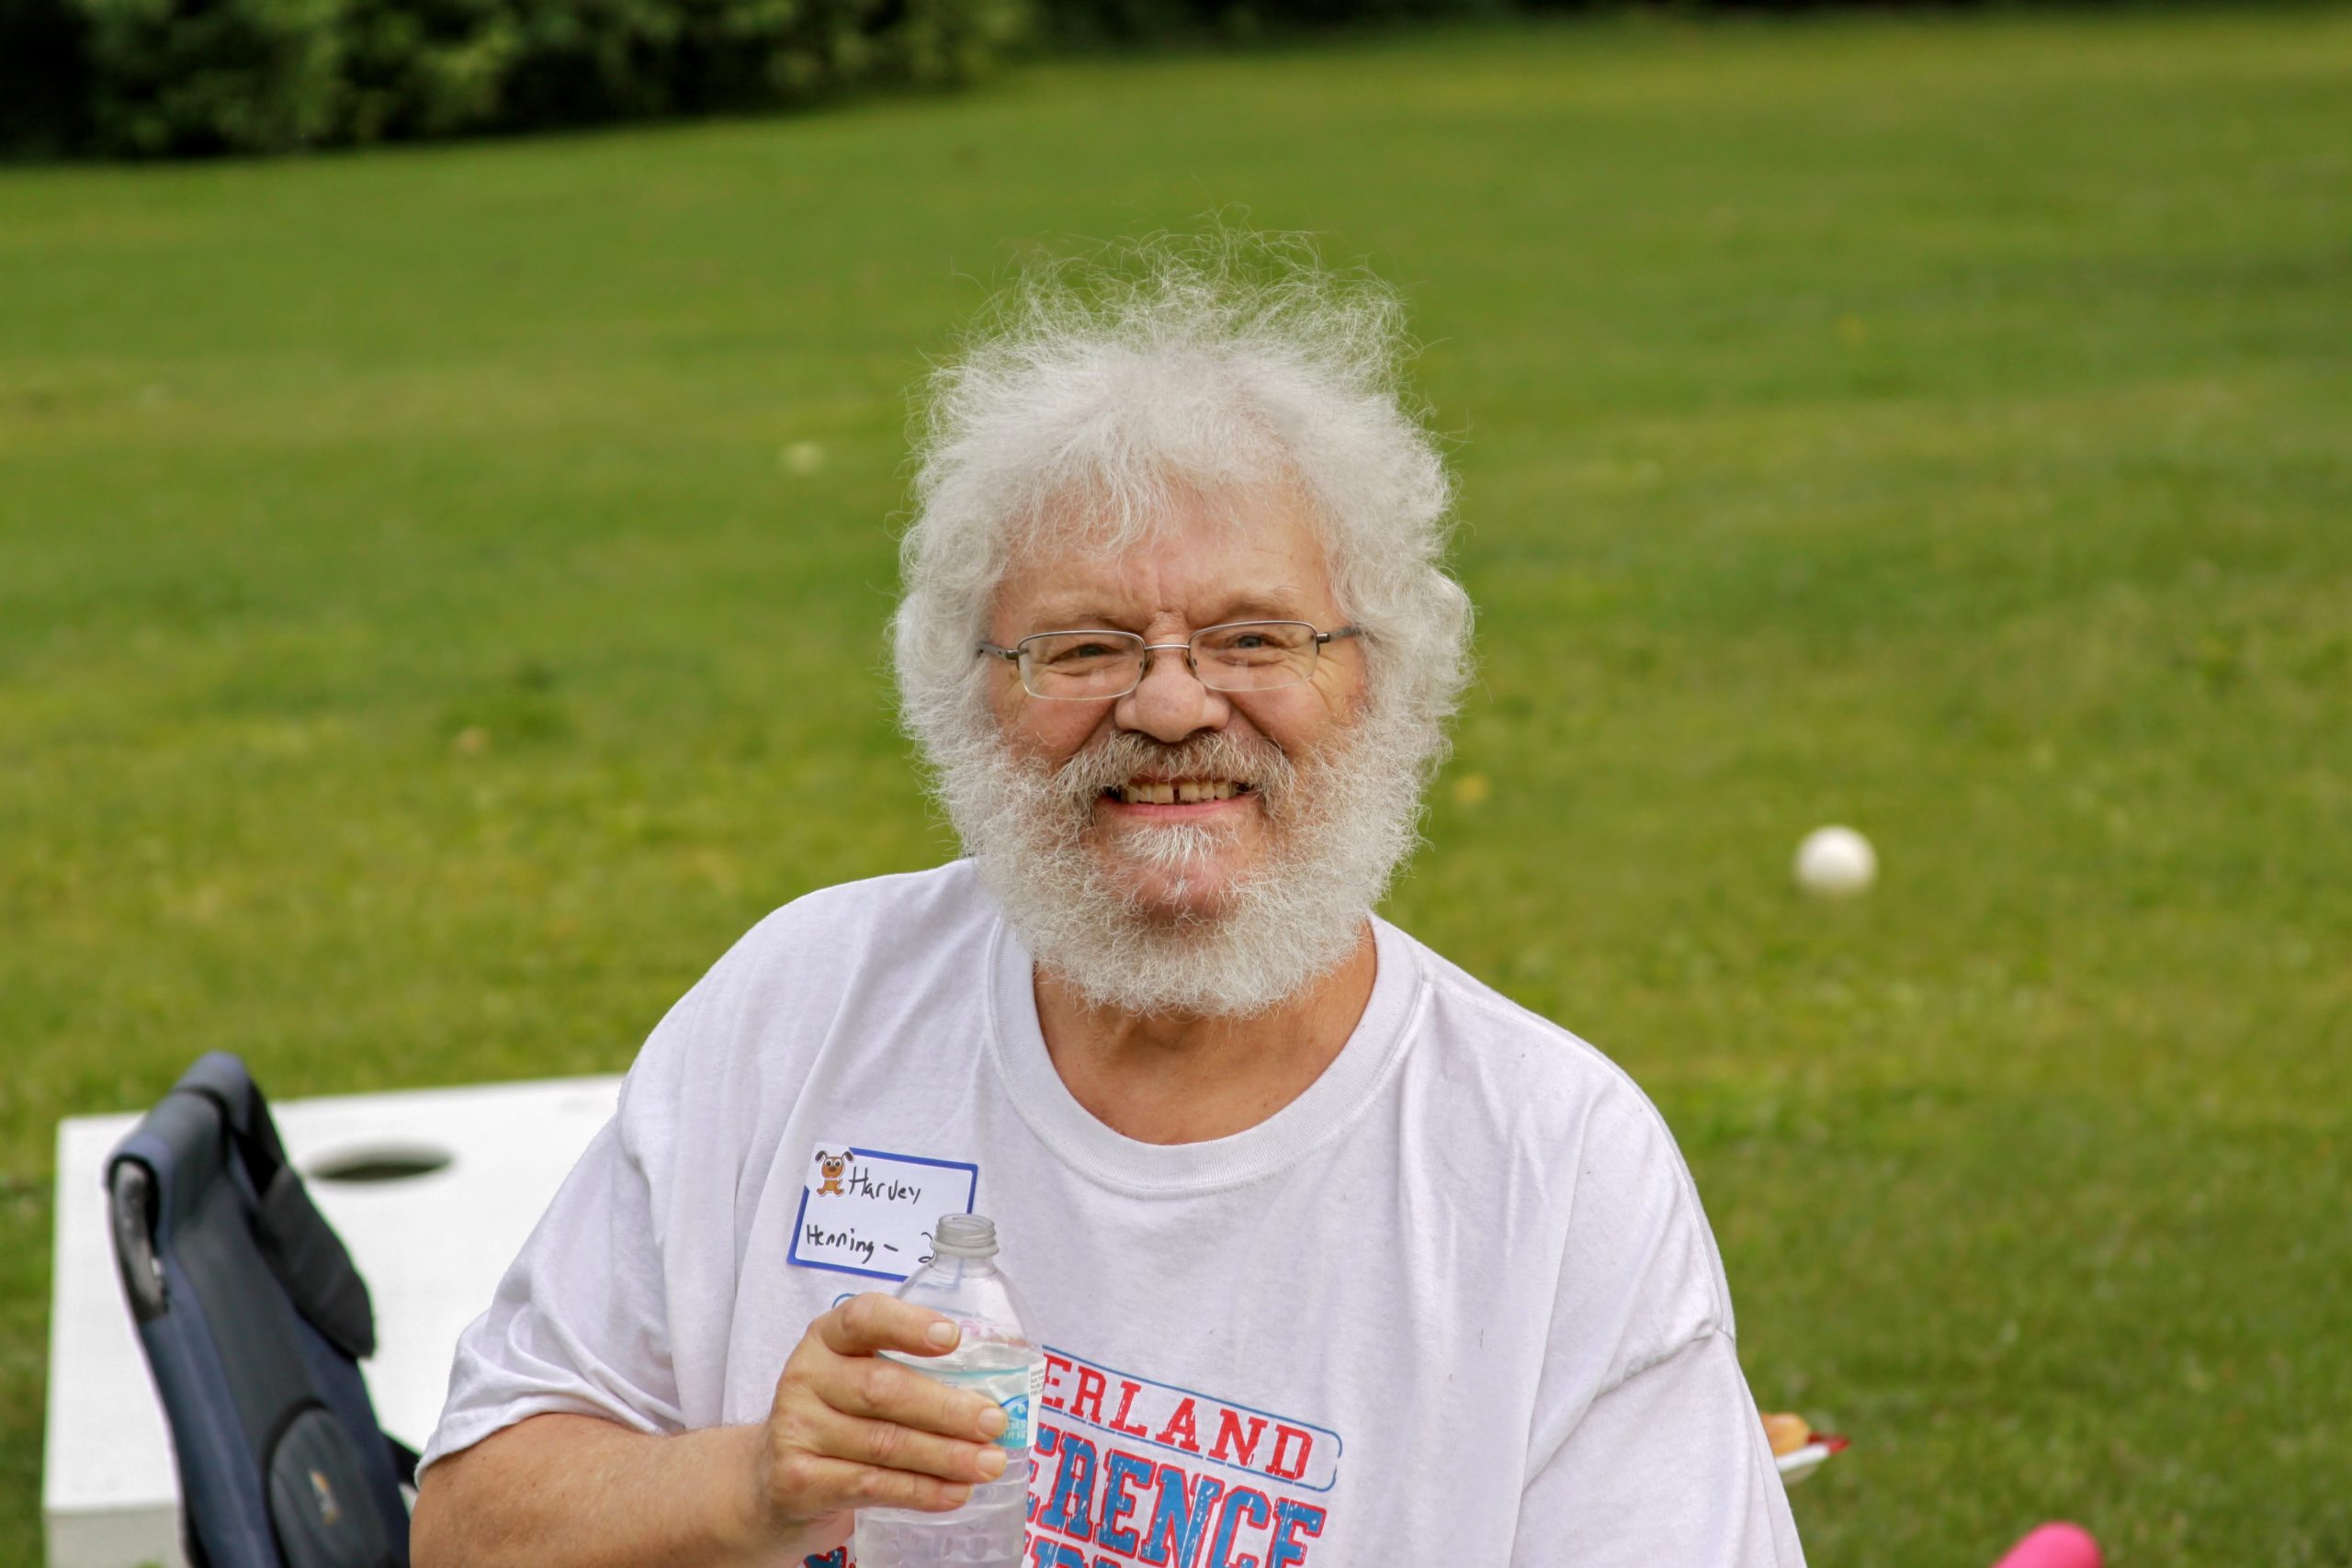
<point x="1646" y="1447"/>
<point x="1669" y="1466"/>
<point x="580" y="1323"/>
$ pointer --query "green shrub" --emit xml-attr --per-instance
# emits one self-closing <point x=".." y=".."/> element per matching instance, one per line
<point x="418" y="68"/>
<point x="212" y="75"/>
<point x="156" y="77"/>
<point x="44" y="78"/>
<point x="149" y="77"/>
<point x="1090" y="22"/>
<point x="595" y="60"/>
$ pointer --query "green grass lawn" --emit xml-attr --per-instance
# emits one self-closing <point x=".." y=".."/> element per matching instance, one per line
<point x="418" y="659"/>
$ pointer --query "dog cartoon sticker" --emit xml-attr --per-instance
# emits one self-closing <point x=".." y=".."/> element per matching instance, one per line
<point x="831" y="1167"/>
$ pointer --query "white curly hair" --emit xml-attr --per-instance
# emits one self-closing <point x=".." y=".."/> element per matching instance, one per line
<point x="1225" y="367"/>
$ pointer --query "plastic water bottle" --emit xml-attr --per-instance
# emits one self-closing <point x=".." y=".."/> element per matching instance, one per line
<point x="996" y="1358"/>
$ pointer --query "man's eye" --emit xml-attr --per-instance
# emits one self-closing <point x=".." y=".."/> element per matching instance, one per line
<point x="1081" y="653"/>
<point x="1249" y="645"/>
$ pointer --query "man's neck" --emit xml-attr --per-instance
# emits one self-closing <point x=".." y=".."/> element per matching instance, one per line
<point x="1185" y="1078"/>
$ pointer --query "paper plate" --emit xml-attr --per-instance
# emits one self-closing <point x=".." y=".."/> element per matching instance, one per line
<point x="1798" y="1463"/>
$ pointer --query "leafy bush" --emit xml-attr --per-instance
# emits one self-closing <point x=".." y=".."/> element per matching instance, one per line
<point x="172" y="75"/>
<point x="155" y="78"/>
<point x="44" y="78"/>
<point x="148" y="77"/>
<point x="413" y="68"/>
<point x="1093" y="22"/>
<point x="1089" y="23"/>
<point x="593" y="60"/>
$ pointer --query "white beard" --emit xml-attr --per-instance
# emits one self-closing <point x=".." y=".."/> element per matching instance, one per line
<point x="1338" y="826"/>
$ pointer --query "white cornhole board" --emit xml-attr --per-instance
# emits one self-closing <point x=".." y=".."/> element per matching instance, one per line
<point x="432" y="1248"/>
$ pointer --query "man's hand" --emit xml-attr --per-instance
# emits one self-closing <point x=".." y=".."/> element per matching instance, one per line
<point x="848" y="1430"/>
<point x="851" y="1430"/>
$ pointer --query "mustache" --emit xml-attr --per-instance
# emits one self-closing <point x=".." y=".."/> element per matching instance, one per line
<point x="1123" y="756"/>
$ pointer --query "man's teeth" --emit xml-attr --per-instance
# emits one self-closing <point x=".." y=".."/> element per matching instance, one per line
<point x="1183" y="791"/>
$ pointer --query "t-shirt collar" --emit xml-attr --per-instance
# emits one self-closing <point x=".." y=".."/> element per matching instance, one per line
<point x="1345" y="1090"/>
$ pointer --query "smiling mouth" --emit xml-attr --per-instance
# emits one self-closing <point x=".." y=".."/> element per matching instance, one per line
<point x="1175" y="792"/>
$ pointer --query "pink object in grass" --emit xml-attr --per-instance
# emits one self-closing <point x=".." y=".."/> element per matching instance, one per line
<point x="2054" y="1546"/>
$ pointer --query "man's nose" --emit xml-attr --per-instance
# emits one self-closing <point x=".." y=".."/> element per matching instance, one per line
<point x="1170" y="702"/>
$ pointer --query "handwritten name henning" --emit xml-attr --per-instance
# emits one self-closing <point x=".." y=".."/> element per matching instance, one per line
<point x="848" y="1241"/>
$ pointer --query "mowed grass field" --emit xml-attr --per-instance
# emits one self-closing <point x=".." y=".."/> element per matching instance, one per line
<point x="441" y="598"/>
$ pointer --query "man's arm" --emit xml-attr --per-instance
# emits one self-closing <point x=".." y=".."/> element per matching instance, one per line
<point x="584" y="1490"/>
<point x="846" y="1430"/>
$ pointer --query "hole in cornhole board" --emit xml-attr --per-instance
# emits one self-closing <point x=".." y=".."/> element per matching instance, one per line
<point x="375" y="1163"/>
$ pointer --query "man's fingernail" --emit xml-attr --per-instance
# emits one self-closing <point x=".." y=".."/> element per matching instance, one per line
<point x="992" y="1422"/>
<point x="942" y="1334"/>
<point x="993" y="1462"/>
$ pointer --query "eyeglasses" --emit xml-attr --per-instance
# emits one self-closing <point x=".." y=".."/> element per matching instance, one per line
<point x="1240" y="656"/>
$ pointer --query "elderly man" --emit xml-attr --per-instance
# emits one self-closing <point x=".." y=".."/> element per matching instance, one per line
<point x="1339" y="1257"/>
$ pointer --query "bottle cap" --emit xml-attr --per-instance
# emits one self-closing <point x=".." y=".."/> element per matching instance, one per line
<point x="964" y="1235"/>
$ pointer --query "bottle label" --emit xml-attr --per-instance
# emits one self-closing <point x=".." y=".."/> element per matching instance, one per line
<point x="1013" y="1389"/>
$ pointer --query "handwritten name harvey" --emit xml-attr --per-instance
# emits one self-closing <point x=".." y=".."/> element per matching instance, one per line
<point x="860" y="1182"/>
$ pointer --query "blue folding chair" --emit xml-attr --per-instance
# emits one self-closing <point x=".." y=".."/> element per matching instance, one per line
<point x="254" y="1323"/>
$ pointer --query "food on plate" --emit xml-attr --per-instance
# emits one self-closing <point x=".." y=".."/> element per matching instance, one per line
<point x="1787" y="1433"/>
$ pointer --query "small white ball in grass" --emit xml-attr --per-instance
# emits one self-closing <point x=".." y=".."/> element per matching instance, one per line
<point x="1835" y="862"/>
<point x="801" y="457"/>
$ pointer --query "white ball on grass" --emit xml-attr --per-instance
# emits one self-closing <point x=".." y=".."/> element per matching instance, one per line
<point x="1835" y="862"/>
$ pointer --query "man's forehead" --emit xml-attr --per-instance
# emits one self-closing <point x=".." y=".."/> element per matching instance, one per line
<point x="1253" y="557"/>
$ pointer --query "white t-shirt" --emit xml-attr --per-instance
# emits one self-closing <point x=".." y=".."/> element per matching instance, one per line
<point x="1457" y="1303"/>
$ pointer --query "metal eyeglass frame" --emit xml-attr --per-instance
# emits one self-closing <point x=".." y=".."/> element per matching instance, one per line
<point x="1013" y="654"/>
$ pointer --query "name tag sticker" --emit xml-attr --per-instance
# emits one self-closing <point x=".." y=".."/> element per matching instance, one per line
<point x="866" y="1212"/>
